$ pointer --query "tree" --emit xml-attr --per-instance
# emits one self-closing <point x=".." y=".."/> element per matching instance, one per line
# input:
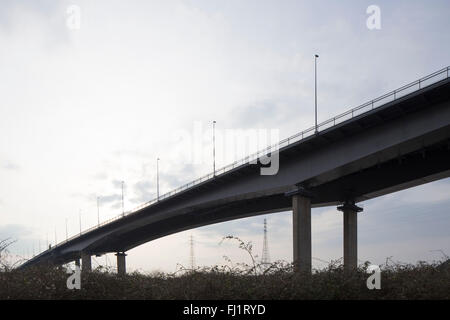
<point x="4" y="244"/>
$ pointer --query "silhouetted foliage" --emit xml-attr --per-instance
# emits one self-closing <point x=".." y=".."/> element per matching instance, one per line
<point x="241" y="281"/>
<point x="421" y="281"/>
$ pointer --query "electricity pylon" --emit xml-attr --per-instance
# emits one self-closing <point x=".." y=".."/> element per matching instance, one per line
<point x="265" y="254"/>
<point x="192" y="257"/>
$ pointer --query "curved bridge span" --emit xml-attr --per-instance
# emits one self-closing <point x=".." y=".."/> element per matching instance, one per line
<point x="397" y="141"/>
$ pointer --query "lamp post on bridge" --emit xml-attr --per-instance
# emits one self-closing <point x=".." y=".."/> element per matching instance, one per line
<point x="214" y="148"/>
<point x="315" y="88"/>
<point x="98" y="211"/>
<point x="123" y="208"/>
<point x="157" y="179"/>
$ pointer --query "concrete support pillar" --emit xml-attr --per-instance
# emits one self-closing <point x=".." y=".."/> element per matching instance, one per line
<point x="121" y="265"/>
<point x="350" y="211"/>
<point x="301" y="222"/>
<point x="86" y="262"/>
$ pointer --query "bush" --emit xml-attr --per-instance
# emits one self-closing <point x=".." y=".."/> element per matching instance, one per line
<point x="255" y="281"/>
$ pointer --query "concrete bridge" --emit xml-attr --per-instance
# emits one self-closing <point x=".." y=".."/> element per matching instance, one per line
<point x="394" y="142"/>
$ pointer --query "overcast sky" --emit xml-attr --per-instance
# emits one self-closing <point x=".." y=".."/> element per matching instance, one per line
<point x="82" y="109"/>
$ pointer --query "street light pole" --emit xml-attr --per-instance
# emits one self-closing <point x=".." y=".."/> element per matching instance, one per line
<point x="214" y="148"/>
<point x="98" y="211"/>
<point x="315" y="86"/>
<point x="157" y="179"/>
<point x="79" y="215"/>
<point x="123" y="210"/>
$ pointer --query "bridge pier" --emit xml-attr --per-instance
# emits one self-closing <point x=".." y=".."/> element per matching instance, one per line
<point x="301" y="222"/>
<point x="350" y="211"/>
<point x="121" y="265"/>
<point x="86" y="262"/>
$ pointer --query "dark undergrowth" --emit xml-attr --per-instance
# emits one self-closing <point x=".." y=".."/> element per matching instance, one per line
<point x="255" y="281"/>
<point x="421" y="281"/>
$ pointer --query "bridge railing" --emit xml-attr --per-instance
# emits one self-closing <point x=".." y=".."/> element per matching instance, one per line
<point x="361" y="109"/>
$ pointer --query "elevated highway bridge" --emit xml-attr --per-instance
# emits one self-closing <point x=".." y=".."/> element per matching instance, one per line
<point x="397" y="141"/>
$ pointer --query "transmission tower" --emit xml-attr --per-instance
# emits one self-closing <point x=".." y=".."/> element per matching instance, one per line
<point x="192" y="257"/>
<point x="265" y="254"/>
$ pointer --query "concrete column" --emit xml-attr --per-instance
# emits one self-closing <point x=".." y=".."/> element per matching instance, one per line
<point x="301" y="221"/>
<point x="350" y="211"/>
<point x="86" y="262"/>
<point x="121" y="265"/>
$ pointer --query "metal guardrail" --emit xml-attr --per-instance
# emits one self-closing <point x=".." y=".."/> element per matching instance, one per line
<point x="350" y="114"/>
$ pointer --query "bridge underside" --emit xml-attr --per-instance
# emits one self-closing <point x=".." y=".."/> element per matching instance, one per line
<point x="425" y="165"/>
<point x="409" y="170"/>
